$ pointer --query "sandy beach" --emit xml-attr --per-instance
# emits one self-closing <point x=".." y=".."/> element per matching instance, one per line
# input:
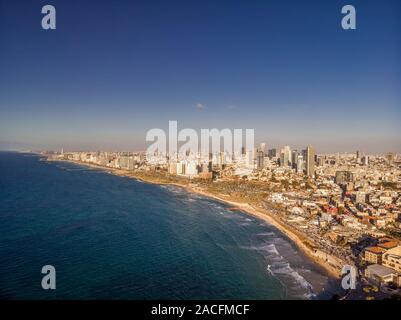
<point x="265" y="216"/>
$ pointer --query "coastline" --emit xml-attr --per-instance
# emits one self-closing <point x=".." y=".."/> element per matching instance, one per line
<point x="269" y="219"/>
<point x="299" y="240"/>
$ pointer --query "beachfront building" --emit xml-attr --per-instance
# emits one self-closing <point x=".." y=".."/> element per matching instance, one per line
<point x="183" y="168"/>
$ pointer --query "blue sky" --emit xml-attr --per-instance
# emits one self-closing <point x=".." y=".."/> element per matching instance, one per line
<point x="114" y="69"/>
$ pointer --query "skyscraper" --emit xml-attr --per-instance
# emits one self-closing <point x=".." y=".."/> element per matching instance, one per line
<point x="272" y="153"/>
<point x="310" y="162"/>
<point x="285" y="156"/>
<point x="260" y="155"/>
<point x="390" y="158"/>
<point x="294" y="158"/>
<point x="300" y="164"/>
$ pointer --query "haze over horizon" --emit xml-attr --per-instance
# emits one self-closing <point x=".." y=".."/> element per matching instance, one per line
<point x="112" y="71"/>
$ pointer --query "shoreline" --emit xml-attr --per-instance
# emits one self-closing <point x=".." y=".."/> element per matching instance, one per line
<point x="266" y="217"/>
<point x="297" y="239"/>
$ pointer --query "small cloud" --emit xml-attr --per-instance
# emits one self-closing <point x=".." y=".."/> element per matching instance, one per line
<point x="200" y="106"/>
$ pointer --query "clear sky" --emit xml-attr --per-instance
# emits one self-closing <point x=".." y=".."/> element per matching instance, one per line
<point x="114" y="69"/>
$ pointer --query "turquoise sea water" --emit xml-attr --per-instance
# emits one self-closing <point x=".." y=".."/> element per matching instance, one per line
<point x="111" y="237"/>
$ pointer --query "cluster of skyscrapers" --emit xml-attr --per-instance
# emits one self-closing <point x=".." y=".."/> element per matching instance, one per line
<point x="303" y="161"/>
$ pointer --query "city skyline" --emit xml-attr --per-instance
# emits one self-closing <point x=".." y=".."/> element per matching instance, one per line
<point x="110" y="72"/>
<point x="172" y="154"/>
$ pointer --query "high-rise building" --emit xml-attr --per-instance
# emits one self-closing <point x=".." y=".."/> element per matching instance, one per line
<point x="294" y="159"/>
<point x="390" y="158"/>
<point x="260" y="156"/>
<point x="310" y="162"/>
<point x="300" y="164"/>
<point x="191" y="168"/>
<point x="285" y="157"/>
<point x="272" y="153"/>
<point x="304" y="154"/>
<point x="365" y="160"/>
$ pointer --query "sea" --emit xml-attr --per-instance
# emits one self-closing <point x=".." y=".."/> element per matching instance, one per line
<point x="113" y="237"/>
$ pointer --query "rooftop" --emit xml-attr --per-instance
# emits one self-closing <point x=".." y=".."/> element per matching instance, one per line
<point x="376" y="250"/>
<point x="388" y="245"/>
<point x="379" y="270"/>
<point x="395" y="252"/>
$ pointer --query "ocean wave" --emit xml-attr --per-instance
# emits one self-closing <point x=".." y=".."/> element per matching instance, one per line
<point x="268" y="234"/>
<point x="281" y="269"/>
<point x="269" y="248"/>
<point x="244" y="224"/>
<point x="174" y="189"/>
<point x="227" y="215"/>
<point x="215" y="206"/>
<point x="284" y="269"/>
